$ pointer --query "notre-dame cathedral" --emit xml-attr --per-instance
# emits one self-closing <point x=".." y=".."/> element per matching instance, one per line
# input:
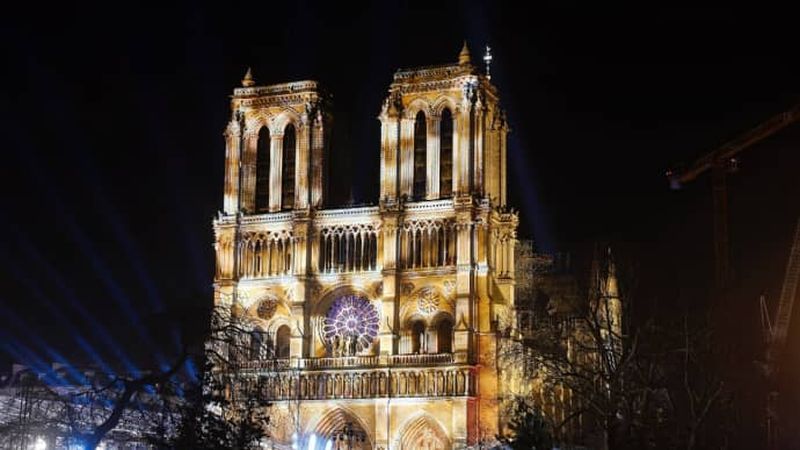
<point x="382" y="318"/>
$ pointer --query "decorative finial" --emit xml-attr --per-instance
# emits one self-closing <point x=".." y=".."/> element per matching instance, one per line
<point x="248" y="80"/>
<point x="487" y="58"/>
<point x="463" y="57"/>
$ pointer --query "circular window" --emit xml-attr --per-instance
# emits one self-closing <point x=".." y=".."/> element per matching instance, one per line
<point x="351" y="325"/>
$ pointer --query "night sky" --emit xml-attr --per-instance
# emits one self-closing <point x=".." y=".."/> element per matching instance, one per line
<point x="112" y="124"/>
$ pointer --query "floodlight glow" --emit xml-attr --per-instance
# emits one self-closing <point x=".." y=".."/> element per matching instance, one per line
<point x="40" y="444"/>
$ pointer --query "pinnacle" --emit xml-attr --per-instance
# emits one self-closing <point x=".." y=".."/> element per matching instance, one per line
<point x="464" y="56"/>
<point x="248" y="80"/>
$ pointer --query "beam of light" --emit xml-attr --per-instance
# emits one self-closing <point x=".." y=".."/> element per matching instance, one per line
<point x="72" y="131"/>
<point x="87" y="248"/>
<point x="528" y="194"/>
<point x="191" y="370"/>
<point x="20" y="352"/>
<point x="20" y="324"/>
<point x="312" y="442"/>
<point x="106" y="277"/>
<point x="178" y="192"/>
<point x="66" y="291"/>
<point x="40" y="444"/>
<point x="59" y="317"/>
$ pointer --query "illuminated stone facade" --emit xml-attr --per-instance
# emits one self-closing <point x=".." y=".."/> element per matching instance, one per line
<point x="378" y="316"/>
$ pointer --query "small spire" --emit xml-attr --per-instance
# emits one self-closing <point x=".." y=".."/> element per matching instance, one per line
<point x="464" y="57"/>
<point x="248" y="80"/>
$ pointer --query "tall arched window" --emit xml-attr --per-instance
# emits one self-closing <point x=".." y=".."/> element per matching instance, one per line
<point x="446" y="154"/>
<point x="289" y="149"/>
<point x="262" y="170"/>
<point x="256" y="344"/>
<point x="420" y="156"/>
<point x="418" y="336"/>
<point x="282" y="340"/>
<point x="444" y="336"/>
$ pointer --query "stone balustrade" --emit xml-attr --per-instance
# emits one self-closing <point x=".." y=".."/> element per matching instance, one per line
<point x="364" y="384"/>
<point x="340" y="362"/>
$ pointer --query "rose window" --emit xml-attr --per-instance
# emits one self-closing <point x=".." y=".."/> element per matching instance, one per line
<point x="351" y="325"/>
<point x="266" y="309"/>
<point x="428" y="301"/>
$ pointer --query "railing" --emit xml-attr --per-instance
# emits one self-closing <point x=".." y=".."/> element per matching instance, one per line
<point x="341" y="362"/>
<point x="454" y="382"/>
<point x="265" y="364"/>
<point x="421" y="359"/>
<point x="374" y="361"/>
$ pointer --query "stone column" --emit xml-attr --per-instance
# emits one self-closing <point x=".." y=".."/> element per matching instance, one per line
<point x="433" y="158"/>
<point x="233" y="139"/>
<point x="318" y="162"/>
<point x="302" y="165"/>
<point x="390" y="155"/>
<point x="478" y="148"/>
<point x="275" y="172"/>
<point x="390" y="320"/>
<point x="248" y="189"/>
<point x="406" y="157"/>
<point x="465" y="284"/>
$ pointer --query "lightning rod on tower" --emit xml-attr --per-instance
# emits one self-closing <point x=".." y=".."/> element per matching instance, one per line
<point x="487" y="58"/>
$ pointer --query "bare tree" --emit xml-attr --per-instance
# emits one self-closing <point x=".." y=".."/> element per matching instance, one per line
<point x="587" y="370"/>
<point x="164" y="406"/>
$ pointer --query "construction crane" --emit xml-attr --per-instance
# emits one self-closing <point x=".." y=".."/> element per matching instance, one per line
<point x="720" y="162"/>
<point x="776" y="332"/>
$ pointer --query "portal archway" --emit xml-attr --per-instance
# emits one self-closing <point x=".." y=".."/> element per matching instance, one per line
<point x="333" y="422"/>
<point x="423" y="433"/>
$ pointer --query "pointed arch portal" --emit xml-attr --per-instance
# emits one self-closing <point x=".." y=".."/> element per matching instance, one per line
<point x="423" y="433"/>
<point x="333" y="422"/>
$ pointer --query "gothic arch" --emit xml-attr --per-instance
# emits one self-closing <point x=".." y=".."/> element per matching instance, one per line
<point x="283" y="119"/>
<point x="415" y="106"/>
<point x="334" y="420"/>
<point x="422" y="432"/>
<point x="257" y="119"/>
<point x="281" y="306"/>
<point x="441" y="103"/>
<point x="327" y="298"/>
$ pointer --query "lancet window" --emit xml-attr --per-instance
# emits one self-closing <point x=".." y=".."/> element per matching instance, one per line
<point x="444" y="336"/>
<point x="287" y="172"/>
<point x="446" y="154"/>
<point x="348" y="248"/>
<point x="282" y="341"/>
<point x="262" y="170"/>
<point x="427" y="243"/>
<point x="420" y="156"/>
<point x="266" y="254"/>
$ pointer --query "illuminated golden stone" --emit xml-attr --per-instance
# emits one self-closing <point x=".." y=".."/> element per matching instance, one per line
<point x="434" y="258"/>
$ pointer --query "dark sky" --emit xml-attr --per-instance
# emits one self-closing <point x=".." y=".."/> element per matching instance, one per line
<point x="112" y="121"/>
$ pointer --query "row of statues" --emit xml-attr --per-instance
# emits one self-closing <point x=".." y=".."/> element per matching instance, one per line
<point x="344" y="346"/>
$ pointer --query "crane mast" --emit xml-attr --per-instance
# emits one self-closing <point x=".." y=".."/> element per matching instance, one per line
<point x="720" y="162"/>
<point x="776" y="332"/>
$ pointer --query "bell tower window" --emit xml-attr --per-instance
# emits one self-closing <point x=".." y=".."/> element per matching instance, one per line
<point x="420" y="156"/>
<point x="446" y="155"/>
<point x="262" y="170"/>
<point x="287" y="184"/>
